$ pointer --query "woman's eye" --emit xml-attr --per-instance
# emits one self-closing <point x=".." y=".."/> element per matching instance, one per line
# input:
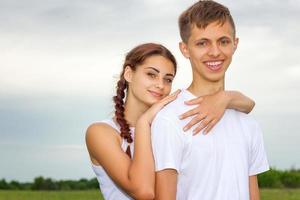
<point x="151" y="75"/>
<point x="169" y="80"/>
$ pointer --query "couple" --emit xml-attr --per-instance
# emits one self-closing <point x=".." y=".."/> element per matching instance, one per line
<point x="196" y="143"/>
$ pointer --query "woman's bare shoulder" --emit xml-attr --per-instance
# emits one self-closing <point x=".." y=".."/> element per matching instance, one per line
<point x="100" y="130"/>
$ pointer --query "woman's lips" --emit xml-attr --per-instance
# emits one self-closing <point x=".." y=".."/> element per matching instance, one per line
<point x="155" y="94"/>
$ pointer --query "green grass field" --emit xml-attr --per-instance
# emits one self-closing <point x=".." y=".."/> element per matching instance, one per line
<point x="50" y="195"/>
<point x="277" y="194"/>
<point x="266" y="194"/>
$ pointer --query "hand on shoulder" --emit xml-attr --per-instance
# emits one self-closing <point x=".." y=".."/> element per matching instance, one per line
<point x="149" y="115"/>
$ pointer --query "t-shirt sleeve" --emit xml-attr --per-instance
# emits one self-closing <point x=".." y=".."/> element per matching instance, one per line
<point x="258" y="157"/>
<point x="167" y="144"/>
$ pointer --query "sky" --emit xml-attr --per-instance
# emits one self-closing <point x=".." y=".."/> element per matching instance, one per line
<point x="60" y="59"/>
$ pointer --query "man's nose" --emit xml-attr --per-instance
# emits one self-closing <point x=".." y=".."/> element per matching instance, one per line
<point x="214" y="50"/>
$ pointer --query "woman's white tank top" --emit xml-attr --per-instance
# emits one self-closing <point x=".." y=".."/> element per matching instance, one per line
<point x="108" y="188"/>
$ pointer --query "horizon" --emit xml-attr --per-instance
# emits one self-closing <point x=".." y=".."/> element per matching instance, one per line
<point x="60" y="61"/>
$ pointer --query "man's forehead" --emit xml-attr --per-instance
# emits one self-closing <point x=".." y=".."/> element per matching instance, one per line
<point x="212" y="30"/>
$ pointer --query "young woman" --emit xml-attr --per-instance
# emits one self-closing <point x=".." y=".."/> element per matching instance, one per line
<point x="143" y="89"/>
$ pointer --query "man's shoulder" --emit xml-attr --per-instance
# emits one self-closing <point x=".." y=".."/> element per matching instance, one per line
<point x="248" y="123"/>
<point x="239" y="116"/>
<point x="247" y="119"/>
<point x="174" y="108"/>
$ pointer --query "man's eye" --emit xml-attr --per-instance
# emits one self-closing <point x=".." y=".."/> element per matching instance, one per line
<point x="225" y="42"/>
<point x="202" y="43"/>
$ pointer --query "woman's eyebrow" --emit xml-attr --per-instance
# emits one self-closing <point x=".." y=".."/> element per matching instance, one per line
<point x="153" y="68"/>
<point x="170" y="75"/>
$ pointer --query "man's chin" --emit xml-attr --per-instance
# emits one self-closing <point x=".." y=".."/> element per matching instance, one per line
<point x="215" y="77"/>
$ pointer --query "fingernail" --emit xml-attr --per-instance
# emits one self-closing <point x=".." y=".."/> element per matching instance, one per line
<point x="185" y="129"/>
<point x="180" y="116"/>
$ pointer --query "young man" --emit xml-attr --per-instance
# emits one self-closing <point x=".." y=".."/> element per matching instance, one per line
<point x="223" y="164"/>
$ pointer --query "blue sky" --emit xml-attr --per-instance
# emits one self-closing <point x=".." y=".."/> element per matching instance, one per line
<point x="59" y="60"/>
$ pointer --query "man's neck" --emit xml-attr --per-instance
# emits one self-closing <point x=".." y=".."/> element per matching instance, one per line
<point x="200" y="87"/>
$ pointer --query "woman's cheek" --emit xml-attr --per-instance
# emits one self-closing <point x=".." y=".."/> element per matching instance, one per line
<point x="168" y="89"/>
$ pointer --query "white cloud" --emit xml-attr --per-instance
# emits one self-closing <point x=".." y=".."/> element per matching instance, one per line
<point x="59" y="56"/>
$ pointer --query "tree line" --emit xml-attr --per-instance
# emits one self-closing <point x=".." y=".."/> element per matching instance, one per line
<point x="272" y="179"/>
<point x="41" y="183"/>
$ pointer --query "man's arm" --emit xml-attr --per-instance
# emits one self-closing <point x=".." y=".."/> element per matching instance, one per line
<point x="166" y="184"/>
<point x="253" y="188"/>
<point x="258" y="160"/>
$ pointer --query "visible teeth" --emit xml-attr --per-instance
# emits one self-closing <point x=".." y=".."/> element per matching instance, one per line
<point x="214" y="63"/>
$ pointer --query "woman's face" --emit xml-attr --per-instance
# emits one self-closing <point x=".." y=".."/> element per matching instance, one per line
<point x="152" y="80"/>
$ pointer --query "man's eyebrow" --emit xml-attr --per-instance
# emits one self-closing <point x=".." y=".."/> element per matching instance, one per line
<point x="199" y="39"/>
<point x="224" y="37"/>
<point x="206" y="39"/>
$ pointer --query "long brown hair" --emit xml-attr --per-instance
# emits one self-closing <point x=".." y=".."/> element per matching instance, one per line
<point x="134" y="58"/>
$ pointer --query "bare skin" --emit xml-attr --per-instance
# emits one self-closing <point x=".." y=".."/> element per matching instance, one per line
<point x="138" y="181"/>
<point x="137" y="176"/>
<point x="254" y="190"/>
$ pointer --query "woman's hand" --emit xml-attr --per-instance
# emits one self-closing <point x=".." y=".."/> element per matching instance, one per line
<point x="209" y="111"/>
<point x="153" y="110"/>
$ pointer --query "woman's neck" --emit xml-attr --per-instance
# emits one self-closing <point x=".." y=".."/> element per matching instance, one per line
<point x="133" y="109"/>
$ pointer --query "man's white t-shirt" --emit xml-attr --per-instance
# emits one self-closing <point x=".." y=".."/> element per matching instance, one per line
<point x="215" y="166"/>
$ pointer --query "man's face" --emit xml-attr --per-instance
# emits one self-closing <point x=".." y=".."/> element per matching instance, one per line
<point x="210" y="50"/>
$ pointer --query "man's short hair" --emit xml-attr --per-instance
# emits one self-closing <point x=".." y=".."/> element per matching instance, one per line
<point x="201" y="14"/>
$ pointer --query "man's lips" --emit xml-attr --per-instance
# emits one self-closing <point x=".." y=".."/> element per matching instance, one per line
<point x="155" y="94"/>
<point x="215" y="65"/>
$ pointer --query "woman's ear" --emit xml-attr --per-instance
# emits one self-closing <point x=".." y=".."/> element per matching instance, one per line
<point x="128" y="74"/>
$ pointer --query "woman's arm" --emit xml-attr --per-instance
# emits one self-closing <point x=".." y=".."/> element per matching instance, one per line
<point x="211" y="108"/>
<point x="135" y="176"/>
<point x="239" y="102"/>
<point x="104" y="146"/>
<point x="141" y="171"/>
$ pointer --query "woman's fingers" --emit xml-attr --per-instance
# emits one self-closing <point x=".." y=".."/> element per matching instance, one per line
<point x="151" y="112"/>
<point x="202" y="125"/>
<point x="189" y="113"/>
<point x="194" y="121"/>
<point x="170" y="98"/>
<point x="210" y="126"/>
<point x="159" y="105"/>
<point x="197" y="100"/>
<point x="176" y="92"/>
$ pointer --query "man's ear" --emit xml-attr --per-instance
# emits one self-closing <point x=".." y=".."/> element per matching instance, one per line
<point x="128" y="74"/>
<point x="184" y="49"/>
<point x="236" y="42"/>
